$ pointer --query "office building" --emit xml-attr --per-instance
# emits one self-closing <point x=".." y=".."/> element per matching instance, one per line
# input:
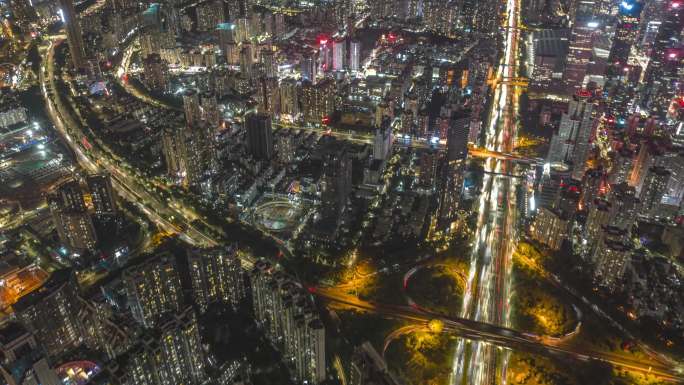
<point x="153" y="288"/>
<point x="216" y="276"/>
<point x="287" y="315"/>
<point x="102" y="194"/>
<point x="51" y="313"/>
<point x="259" y="136"/>
<point x="74" y="33"/>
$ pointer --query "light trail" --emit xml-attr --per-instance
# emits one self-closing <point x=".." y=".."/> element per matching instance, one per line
<point x="489" y="280"/>
<point x="488" y="335"/>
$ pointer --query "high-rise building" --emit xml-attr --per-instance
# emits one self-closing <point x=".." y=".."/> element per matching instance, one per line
<point x="611" y="258"/>
<point x="550" y="227"/>
<point x="246" y="60"/>
<point x="624" y="206"/>
<point x="621" y="166"/>
<point x="339" y="53"/>
<point x="457" y="140"/>
<point x="317" y="100"/>
<point x="191" y="107"/>
<point x="226" y="34"/>
<point x="259" y="135"/>
<point x="216" y="276"/>
<point x="428" y="169"/>
<point x="382" y="142"/>
<point x="289" y="98"/>
<point x="209" y="111"/>
<point x="572" y="144"/>
<point x="325" y="55"/>
<point x="337" y="180"/>
<point x="169" y="354"/>
<point x="209" y="15"/>
<point x="71" y="196"/>
<point x="156" y="73"/>
<point x="598" y="217"/>
<point x="102" y="194"/>
<point x="654" y="190"/>
<point x="355" y="55"/>
<point x="51" y="313"/>
<point x="153" y="288"/>
<point x="286" y="313"/>
<point x="181" y="345"/>
<point x="593" y="186"/>
<point x="309" y="68"/>
<point x="269" y="62"/>
<point x="626" y="33"/>
<point x="74" y="33"/>
<point x="73" y="223"/>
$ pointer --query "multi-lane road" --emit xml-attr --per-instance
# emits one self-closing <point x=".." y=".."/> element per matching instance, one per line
<point x="497" y="336"/>
<point x="487" y="292"/>
<point x="93" y="161"/>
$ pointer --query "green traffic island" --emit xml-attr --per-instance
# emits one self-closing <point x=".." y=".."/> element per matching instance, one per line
<point x="540" y="308"/>
<point x="422" y="357"/>
<point x="437" y="288"/>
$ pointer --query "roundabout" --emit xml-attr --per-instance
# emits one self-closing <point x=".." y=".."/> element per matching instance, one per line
<point x="277" y="216"/>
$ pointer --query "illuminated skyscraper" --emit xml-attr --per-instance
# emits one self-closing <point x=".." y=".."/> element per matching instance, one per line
<point x="74" y="33"/>
<point x="259" y="135"/>
<point x="339" y="54"/>
<point x="337" y="179"/>
<point x="571" y="145"/>
<point x="153" y="288"/>
<point x="654" y="190"/>
<point x="102" y="194"/>
<point x="72" y="222"/>
<point x="156" y="73"/>
<point x="309" y="68"/>
<point x="626" y="33"/>
<point x="611" y="258"/>
<point x="457" y="139"/>
<point x="287" y="315"/>
<point x="216" y="276"/>
<point x="382" y="142"/>
<point x="51" y="313"/>
<point x="355" y="55"/>
<point x="170" y="354"/>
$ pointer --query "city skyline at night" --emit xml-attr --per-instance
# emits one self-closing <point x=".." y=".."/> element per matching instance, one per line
<point x="341" y="192"/>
